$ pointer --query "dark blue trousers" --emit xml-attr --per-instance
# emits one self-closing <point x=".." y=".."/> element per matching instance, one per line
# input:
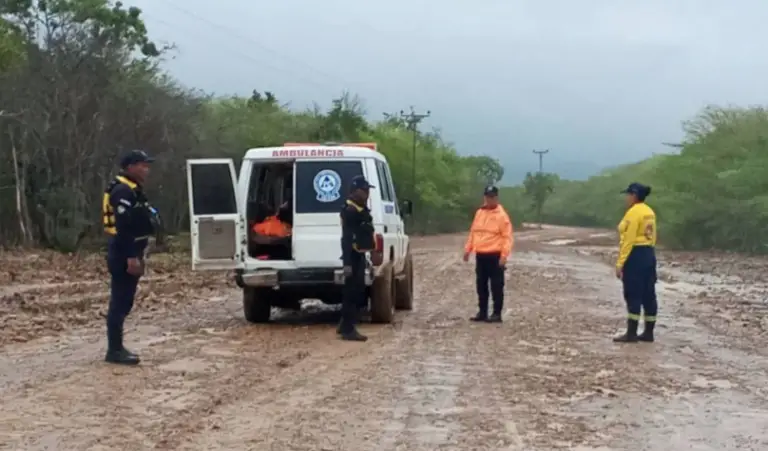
<point x="122" y="293"/>
<point x="489" y="273"/>
<point x="639" y="280"/>
<point x="353" y="295"/>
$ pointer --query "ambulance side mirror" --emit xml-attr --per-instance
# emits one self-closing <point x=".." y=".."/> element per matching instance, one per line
<point x="406" y="208"/>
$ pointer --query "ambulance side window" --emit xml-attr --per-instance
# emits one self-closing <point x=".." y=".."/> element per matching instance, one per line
<point x="386" y="188"/>
<point x="391" y="185"/>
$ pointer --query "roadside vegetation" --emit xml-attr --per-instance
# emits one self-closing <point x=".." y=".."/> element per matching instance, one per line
<point x="712" y="193"/>
<point x="81" y="82"/>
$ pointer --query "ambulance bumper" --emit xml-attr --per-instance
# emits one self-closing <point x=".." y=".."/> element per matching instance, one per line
<point x="276" y="278"/>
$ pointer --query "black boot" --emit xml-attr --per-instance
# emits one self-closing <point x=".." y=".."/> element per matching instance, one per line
<point x="647" y="334"/>
<point x="122" y="357"/>
<point x="480" y="317"/>
<point x="116" y="353"/>
<point x="495" y="318"/>
<point x="353" y="335"/>
<point x="630" y="336"/>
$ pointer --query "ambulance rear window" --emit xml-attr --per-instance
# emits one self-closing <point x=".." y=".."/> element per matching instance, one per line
<point x="322" y="186"/>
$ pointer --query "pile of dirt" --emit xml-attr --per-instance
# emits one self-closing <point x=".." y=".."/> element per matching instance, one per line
<point x="45" y="292"/>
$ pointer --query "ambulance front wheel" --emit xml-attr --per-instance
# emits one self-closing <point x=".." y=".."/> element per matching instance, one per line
<point x="257" y="305"/>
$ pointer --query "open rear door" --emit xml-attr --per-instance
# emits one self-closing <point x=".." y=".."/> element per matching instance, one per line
<point x="217" y="224"/>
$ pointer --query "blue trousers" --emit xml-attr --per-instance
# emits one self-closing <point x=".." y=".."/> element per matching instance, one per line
<point x="488" y="272"/>
<point x="353" y="295"/>
<point x="121" y="296"/>
<point x="639" y="280"/>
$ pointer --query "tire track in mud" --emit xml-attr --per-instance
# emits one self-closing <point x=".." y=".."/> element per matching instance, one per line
<point x="548" y="378"/>
<point x="186" y="376"/>
<point x="398" y="391"/>
<point x="689" y="389"/>
<point x="335" y="397"/>
<point x="51" y="311"/>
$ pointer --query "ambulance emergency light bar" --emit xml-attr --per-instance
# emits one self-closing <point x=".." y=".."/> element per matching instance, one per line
<point x="371" y="146"/>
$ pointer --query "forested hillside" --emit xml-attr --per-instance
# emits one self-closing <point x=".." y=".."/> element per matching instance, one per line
<point x="712" y="195"/>
<point x="80" y="82"/>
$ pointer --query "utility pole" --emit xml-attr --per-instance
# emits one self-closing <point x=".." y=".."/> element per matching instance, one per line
<point x="541" y="154"/>
<point x="412" y="121"/>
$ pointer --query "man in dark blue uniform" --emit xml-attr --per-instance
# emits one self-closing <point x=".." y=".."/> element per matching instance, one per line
<point x="129" y="221"/>
<point x="357" y="238"/>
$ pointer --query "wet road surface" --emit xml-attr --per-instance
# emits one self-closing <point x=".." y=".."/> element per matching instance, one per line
<point x="548" y="378"/>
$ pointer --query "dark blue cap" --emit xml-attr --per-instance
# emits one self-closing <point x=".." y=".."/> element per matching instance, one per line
<point x="133" y="157"/>
<point x="359" y="182"/>
<point x="638" y="189"/>
<point x="491" y="190"/>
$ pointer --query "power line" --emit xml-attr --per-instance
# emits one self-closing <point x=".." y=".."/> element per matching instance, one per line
<point x="258" y="44"/>
<point x="541" y="154"/>
<point x="245" y="56"/>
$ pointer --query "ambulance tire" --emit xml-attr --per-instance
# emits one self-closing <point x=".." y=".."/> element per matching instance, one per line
<point x="383" y="295"/>
<point x="256" y="305"/>
<point x="404" y="286"/>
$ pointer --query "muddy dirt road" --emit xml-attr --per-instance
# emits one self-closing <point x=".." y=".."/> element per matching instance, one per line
<point x="548" y="378"/>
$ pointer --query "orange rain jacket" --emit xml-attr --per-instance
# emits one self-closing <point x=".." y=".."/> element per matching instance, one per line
<point x="272" y="227"/>
<point x="491" y="232"/>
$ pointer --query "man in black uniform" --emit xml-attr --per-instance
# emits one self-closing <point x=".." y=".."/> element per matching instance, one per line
<point x="129" y="221"/>
<point x="357" y="238"/>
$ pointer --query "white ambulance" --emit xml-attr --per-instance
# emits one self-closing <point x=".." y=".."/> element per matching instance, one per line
<point x="310" y="182"/>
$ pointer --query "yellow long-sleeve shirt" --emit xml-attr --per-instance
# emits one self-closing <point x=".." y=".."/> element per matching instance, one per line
<point x="637" y="228"/>
<point x="491" y="232"/>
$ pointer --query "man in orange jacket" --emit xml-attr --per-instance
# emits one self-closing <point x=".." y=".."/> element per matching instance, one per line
<point x="490" y="238"/>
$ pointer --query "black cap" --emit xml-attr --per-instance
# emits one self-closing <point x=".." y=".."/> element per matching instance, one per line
<point x="491" y="190"/>
<point x="638" y="189"/>
<point x="133" y="157"/>
<point x="359" y="182"/>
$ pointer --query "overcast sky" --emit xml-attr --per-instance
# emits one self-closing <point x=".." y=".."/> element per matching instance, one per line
<point x="599" y="82"/>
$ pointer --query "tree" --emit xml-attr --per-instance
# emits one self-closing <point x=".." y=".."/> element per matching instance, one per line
<point x="11" y="45"/>
<point x="77" y="89"/>
<point x="79" y="84"/>
<point x="538" y="188"/>
<point x="712" y="195"/>
<point x="488" y="169"/>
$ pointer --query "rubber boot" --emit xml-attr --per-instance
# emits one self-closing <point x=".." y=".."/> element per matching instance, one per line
<point x="647" y="335"/>
<point x="630" y="336"/>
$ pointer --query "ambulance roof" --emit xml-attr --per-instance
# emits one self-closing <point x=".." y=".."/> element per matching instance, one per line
<point x="312" y="151"/>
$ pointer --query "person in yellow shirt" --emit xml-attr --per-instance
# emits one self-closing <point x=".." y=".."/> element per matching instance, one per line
<point x="490" y="238"/>
<point x="636" y="264"/>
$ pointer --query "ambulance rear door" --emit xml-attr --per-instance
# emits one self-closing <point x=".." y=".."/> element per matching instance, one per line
<point x="217" y="221"/>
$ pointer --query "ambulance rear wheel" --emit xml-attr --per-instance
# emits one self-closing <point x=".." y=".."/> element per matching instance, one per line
<point x="257" y="305"/>
<point x="383" y="296"/>
<point x="404" y="287"/>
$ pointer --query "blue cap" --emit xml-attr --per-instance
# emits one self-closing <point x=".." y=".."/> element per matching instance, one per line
<point x="133" y="157"/>
<point x="638" y="189"/>
<point x="359" y="182"/>
<point x="491" y="190"/>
